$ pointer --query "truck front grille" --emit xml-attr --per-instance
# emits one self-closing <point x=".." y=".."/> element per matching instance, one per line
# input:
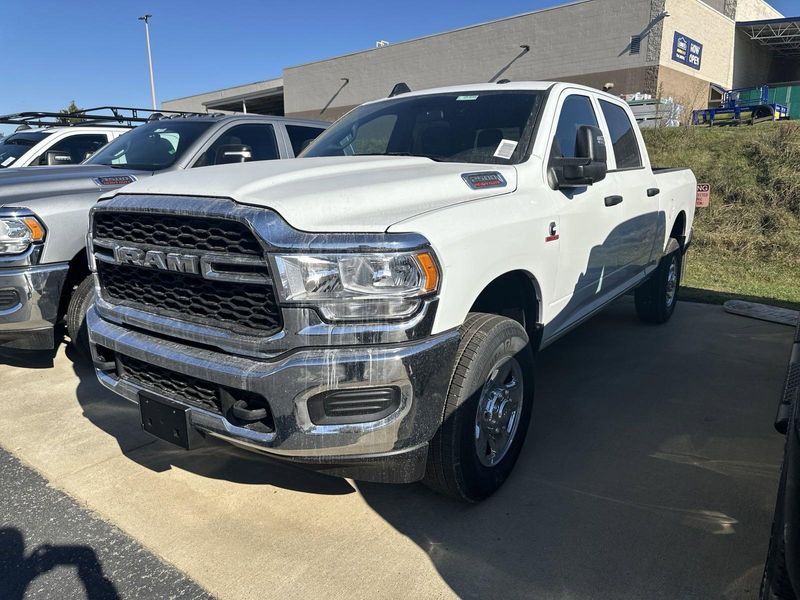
<point x="236" y="306"/>
<point x="239" y="306"/>
<point x="177" y="231"/>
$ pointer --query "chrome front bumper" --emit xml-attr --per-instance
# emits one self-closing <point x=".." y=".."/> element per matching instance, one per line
<point x="29" y="323"/>
<point x="420" y="370"/>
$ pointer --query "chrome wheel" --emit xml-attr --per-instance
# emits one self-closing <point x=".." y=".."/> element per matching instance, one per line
<point x="499" y="408"/>
<point x="672" y="281"/>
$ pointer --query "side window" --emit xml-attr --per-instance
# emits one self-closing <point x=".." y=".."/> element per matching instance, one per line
<point x="301" y="136"/>
<point x="623" y="136"/>
<point x="242" y="143"/>
<point x="79" y="147"/>
<point x="576" y="111"/>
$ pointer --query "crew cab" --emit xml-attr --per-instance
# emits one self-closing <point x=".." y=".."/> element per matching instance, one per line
<point x="44" y="211"/>
<point x="374" y="308"/>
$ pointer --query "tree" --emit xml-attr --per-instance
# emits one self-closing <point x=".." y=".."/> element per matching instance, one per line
<point x="70" y="109"/>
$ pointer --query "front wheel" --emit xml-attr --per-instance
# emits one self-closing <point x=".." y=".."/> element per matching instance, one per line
<point x="656" y="298"/>
<point x="487" y="411"/>
<point x="82" y="298"/>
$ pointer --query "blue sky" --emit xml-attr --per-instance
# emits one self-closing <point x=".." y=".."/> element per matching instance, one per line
<point x="94" y="52"/>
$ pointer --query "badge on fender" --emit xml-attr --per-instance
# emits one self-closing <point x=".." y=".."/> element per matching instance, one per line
<point x="484" y="179"/>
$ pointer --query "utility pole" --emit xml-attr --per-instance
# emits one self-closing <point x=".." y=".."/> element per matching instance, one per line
<point x="146" y="19"/>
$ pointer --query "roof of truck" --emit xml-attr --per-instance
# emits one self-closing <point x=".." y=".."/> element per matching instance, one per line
<point x="493" y="87"/>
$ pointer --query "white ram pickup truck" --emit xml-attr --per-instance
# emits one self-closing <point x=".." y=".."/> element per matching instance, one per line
<point x="374" y="309"/>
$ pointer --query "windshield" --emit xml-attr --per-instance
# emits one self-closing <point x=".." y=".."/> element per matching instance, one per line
<point x="150" y="147"/>
<point x="465" y="127"/>
<point x="17" y="144"/>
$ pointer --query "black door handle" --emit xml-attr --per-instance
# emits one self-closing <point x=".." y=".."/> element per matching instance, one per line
<point x="653" y="192"/>
<point x="613" y="200"/>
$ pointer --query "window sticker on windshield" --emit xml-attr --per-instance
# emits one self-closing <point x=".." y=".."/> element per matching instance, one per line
<point x="8" y="161"/>
<point x="505" y="149"/>
<point x="466" y="98"/>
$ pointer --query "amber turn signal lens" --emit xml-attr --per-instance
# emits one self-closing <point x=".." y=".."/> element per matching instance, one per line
<point x="431" y="271"/>
<point x="37" y="231"/>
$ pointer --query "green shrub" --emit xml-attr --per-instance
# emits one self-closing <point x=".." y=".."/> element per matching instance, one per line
<point x="754" y="172"/>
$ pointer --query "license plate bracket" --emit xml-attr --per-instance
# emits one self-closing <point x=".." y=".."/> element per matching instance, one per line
<point x="166" y="420"/>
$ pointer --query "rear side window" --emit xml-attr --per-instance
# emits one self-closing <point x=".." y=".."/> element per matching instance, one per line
<point x="248" y="142"/>
<point x="301" y="136"/>
<point x="576" y="111"/>
<point x="79" y="147"/>
<point x="623" y="136"/>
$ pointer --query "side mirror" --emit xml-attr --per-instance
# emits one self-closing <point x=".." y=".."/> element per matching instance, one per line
<point x="55" y="157"/>
<point x="589" y="165"/>
<point x="233" y="153"/>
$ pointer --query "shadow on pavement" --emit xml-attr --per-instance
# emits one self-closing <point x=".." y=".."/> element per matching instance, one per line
<point x="216" y="459"/>
<point x="648" y="472"/>
<point x="18" y="571"/>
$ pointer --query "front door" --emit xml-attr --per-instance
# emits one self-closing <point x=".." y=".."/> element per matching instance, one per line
<point x="587" y="259"/>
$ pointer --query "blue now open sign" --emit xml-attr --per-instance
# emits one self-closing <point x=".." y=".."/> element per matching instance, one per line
<point x="687" y="51"/>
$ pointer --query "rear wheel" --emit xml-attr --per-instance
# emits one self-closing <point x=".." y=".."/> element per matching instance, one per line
<point x="656" y="298"/>
<point x="82" y="298"/>
<point x="487" y="410"/>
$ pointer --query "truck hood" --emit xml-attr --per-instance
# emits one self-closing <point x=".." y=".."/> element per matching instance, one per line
<point x="18" y="186"/>
<point x="351" y="194"/>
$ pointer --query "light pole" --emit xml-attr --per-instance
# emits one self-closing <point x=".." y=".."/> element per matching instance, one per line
<point x="146" y="19"/>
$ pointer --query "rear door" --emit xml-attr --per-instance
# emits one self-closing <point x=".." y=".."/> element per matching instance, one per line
<point x="635" y="183"/>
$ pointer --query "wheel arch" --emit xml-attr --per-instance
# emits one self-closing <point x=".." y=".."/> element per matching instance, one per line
<point x="515" y="294"/>
<point x="678" y="230"/>
<point x="78" y="270"/>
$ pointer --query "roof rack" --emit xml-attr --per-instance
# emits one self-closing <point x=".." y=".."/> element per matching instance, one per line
<point x="107" y="116"/>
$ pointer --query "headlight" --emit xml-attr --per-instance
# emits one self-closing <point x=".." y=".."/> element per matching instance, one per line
<point x="18" y="233"/>
<point x="358" y="286"/>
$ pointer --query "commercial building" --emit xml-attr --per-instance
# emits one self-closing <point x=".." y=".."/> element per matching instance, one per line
<point x="686" y="49"/>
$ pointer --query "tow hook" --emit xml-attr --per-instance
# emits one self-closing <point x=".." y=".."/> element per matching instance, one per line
<point x="241" y="411"/>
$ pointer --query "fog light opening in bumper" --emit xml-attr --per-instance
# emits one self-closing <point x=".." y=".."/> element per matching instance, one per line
<point x="350" y="406"/>
<point x="9" y="298"/>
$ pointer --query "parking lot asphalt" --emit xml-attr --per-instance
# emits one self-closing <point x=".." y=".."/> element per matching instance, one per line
<point x="650" y="471"/>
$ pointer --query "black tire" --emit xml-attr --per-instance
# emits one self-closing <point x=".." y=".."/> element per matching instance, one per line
<point x="653" y="305"/>
<point x="82" y="298"/>
<point x="454" y="467"/>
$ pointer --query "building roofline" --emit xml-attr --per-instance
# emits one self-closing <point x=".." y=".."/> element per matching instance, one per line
<point x="225" y="89"/>
<point x="448" y="32"/>
<point x="768" y="21"/>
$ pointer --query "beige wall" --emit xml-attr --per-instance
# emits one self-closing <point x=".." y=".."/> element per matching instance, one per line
<point x="570" y="41"/>
<point x="755" y="10"/>
<point x="690" y="92"/>
<point x="198" y="103"/>
<point x="707" y="26"/>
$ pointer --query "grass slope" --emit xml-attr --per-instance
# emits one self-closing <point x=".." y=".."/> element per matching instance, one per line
<point x="747" y="243"/>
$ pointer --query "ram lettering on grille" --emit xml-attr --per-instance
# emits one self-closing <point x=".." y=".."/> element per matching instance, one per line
<point x="204" y="270"/>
